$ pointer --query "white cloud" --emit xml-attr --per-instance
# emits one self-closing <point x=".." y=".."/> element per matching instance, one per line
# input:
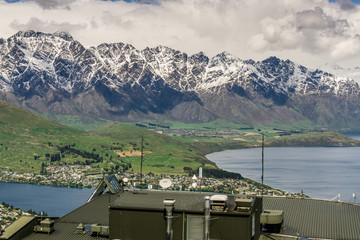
<point x="346" y="48"/>
<point x="46" y="25"/>
<point x="306" y="31"/>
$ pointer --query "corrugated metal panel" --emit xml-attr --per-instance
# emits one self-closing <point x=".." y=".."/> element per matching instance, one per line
<point x="16" y="226"/>
<point x="95" y="211"/>
<point x="317" y="218"/>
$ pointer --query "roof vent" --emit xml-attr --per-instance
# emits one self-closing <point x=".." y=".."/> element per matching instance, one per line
<point x="243" y="203"/>
<point x="46" y="226"/>
<point x="218" y="203"/>
<point x="169" y="210"/>
<point x="99" y="230"/>
<point x="169" y="202"/>
<point x="272" y="220"/>
<point x="80" y="229"/>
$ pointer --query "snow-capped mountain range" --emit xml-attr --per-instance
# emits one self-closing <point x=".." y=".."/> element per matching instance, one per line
<point x="55" y="73"/>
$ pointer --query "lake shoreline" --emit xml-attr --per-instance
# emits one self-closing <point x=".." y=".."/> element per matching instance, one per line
<point x="327" y="165"/>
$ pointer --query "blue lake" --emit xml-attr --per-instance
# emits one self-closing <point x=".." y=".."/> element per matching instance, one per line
<point x="56" y="201"/>
<point x="322" y="172"/>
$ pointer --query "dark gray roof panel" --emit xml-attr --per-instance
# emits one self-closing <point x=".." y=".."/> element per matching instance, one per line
<point x="95" y="211"/>
<point x="317" y="218"/>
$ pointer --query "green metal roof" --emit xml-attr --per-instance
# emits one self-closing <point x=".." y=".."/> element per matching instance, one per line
<point x="16" y="226"/>
<point x="313" y="218"/>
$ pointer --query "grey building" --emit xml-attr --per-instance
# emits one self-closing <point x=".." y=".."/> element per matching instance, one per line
<point x="231" y="218"/>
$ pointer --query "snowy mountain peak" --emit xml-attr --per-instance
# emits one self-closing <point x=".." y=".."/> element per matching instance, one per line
<point x="64" y="35"/>
<point x="26" y="34"/>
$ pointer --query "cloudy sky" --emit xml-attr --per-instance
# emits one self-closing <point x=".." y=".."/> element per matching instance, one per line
<point x="309" y="32"/>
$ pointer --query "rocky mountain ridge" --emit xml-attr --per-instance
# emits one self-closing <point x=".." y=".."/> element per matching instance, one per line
<point x="55" y="73"/>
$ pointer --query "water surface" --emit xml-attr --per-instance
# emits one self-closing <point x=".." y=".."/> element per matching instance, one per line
<point x="322" y="172"/>
<point x="56" y="201"/>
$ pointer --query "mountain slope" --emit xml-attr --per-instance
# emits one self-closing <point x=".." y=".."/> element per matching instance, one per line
<point x="54" y="73"/>
<point x="29" y="141"/>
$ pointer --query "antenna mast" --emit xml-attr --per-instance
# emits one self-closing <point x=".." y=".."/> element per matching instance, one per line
<point x="142" y="157"/>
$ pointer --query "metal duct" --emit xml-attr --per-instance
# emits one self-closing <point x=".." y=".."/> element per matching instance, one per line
<point x="207" y="218"/>
<point x="169" y="208"/>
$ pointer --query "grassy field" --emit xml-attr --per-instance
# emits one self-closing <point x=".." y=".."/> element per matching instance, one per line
<point x="163" y="153"/>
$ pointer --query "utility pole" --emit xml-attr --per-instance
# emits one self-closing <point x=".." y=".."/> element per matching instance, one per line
<point x="262" y="159"/>
<point x="142" y="157"/>
<point x="262" y="173"/>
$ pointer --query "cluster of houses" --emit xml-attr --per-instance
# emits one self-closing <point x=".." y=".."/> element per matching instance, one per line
<point x="204" y="132"/>
<point x="73" y="176"/>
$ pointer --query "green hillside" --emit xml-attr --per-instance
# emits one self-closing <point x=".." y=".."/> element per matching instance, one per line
<point x="29" y="141"/>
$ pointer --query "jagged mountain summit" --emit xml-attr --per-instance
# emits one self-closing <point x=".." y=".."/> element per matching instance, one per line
<point x="56" y="74"/>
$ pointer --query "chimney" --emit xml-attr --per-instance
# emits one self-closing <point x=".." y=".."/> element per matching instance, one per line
<point x="169" y="208"/>
<point x="207" y="218"/>
<point x="80" y="229"/>
<point x="218" y="203"/>
<point x="243" y="203"/>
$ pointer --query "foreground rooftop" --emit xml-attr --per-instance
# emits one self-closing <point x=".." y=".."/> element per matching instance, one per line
<point x="303" y="217"/>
